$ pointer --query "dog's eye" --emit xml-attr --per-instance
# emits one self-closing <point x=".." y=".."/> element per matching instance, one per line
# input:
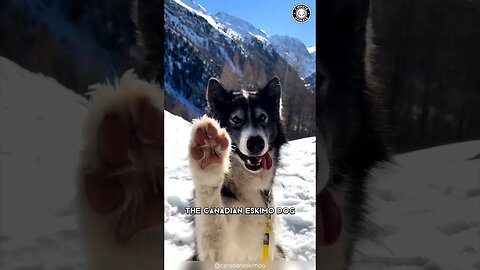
<point x="236" y="120"/>
<point x="262" y="117"/>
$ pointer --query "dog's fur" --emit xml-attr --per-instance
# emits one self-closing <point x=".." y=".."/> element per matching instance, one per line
<point x="120" y="199"/>
<point x="229" y="183"/>
<point x="349" y="121"/>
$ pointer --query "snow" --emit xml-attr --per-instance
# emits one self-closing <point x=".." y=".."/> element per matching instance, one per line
<point x="295" y="53"/>
<point x="428" y="209"/>
<point x="198" y="10"/>
<point x="188" y="33"/>
<point x="295" y="187"/>
<point x="243" y="28"/>
<point x="312" y="49"/>
<point x="427" y="205"/>
<point x="40" y="139"/>
<point x="261" y="38"/>
<point x="192" y="6"/>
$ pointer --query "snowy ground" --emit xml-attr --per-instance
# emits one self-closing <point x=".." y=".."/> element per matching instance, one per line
<point x="39" y="142"/>
<point x="295" y="186"/>
<point x="428" y="206"/>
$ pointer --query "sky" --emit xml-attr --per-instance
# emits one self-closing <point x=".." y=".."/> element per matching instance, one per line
<point x="273" y="16"/>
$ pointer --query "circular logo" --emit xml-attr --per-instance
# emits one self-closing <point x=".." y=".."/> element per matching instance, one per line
<point x="301" y="13"/>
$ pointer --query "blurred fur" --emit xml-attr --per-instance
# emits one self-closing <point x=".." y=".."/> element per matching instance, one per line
<point x="349" y="120"/>
<point x="103" y="250"/>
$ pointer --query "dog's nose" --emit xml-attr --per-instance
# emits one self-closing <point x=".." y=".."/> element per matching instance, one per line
<point x="255" y="144"/>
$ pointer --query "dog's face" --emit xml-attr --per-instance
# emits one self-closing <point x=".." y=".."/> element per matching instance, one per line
<point x="252" y="119"/>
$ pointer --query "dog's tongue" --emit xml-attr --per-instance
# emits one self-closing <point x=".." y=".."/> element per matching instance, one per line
<point x="266" y="161"/>
<point x="330" y="220"/>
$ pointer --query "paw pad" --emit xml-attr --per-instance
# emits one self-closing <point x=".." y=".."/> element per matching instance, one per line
<point x="210" y="145"/>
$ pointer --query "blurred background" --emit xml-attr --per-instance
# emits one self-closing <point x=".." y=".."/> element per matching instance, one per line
<point x="429" y="63"/>
<point x="76" y="42"/>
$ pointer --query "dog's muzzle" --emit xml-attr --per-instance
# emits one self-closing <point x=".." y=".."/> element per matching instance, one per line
<point x="254" y="163"/>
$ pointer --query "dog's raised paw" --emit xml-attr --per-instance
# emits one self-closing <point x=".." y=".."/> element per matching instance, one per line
<point x="210" y="144"/>
<point x="128" y="133"/>
<point x="127" y="148"/>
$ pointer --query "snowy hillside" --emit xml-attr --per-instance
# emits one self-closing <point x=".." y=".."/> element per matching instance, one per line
<point x="293" y="50"/>
<point x="39" y="143"/>
<point x="199" y="46"/>
<point x="428" y="205"/>
<point x="296" y="53"/>
<point x="310" y="81"/>
<point x="241" y="27"/>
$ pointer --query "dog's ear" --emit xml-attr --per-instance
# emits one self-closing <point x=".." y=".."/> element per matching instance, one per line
<point x="273" y="90"/>
<point x="216" y="93"/>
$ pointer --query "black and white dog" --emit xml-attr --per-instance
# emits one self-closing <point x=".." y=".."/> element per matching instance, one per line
<point x="349" y="129"/>
<point x="234" y="152"/>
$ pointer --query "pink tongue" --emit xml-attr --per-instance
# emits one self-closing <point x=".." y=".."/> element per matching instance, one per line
<point x="330" y="220"/>
<point x="266" y="161"/>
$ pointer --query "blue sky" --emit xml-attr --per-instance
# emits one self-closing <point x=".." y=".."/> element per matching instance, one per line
<point x="273" y="16"/>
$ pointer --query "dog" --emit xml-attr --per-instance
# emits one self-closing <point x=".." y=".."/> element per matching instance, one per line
<point x="350" y="129"/>
<point x="234" y="153"/>
<point x="120" y="177"/>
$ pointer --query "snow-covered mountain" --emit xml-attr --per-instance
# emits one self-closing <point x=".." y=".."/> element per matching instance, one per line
<point x="244" y="29"/>
<point x="427" y="206"/>
<point x="199" y="46"/>
<point x="296" y="53"/>
<point x="310" y="81"/>
<point x="291" y="49"/>
<point x="313" y="52"/>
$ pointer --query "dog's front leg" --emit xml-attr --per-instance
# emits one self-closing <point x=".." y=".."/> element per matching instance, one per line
<point x="209" y="162"/>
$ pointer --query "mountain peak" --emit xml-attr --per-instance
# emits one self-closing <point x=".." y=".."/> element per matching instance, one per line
<point x="241" y="26"/>
<point x="296" y="53"/>
<point x="192" y="6"/>
<point x="291" y="40"/>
